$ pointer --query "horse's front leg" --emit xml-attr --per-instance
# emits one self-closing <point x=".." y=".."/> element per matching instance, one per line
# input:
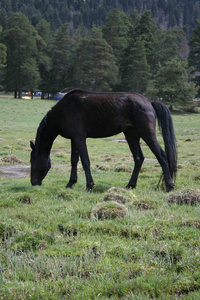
<point x="74" y="162"/>
<point x="80" y="143"/>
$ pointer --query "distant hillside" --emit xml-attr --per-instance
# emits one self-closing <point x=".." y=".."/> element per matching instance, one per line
<point x="167" y="13"/>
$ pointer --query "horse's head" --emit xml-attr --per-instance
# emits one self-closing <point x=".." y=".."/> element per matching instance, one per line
<point x="40" y="165"/>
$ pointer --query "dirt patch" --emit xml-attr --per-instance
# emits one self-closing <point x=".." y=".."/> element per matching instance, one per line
<point x="19" y="171"/>
<point x="150" y="159"/>
<point x="116" y="140"/>
<point x="15" y="171"/>
<point x="120" y="141"/>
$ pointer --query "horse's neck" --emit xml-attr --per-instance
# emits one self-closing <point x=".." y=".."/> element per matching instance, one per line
<point x="45" y="136"/>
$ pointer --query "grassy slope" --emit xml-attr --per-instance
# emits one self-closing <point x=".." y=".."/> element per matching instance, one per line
<point x="52" y="248"/>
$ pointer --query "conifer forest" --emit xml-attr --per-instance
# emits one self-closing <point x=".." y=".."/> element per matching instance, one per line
<point x="150" y="47"/>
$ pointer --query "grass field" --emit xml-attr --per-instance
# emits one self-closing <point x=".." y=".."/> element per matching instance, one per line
<point x="108" y="244"/>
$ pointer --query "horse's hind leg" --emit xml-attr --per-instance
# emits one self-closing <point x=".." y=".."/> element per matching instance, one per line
<point x="162" y="159"/>
<point x="134" y="145"/>
<point x="74" y="162"/>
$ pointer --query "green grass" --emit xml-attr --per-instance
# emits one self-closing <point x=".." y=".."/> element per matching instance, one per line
<point x="55" y="245"/>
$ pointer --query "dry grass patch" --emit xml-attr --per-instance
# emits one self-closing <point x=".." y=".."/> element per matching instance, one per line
<point x="191" y="223"/>
<point x="122" y="168"/>
<point x="11" y="159"/>
<point x="109" y="210"/>
<point x="103" y="168"/>
<point x="119" y="195"/>
<point x="144" y="204"/>
<point x="107" y="158"/>
<point x="189" y="197"/>
<point x="25" y="199"/>
<point x="6" y="231"/>
<point x="65" y="195"/>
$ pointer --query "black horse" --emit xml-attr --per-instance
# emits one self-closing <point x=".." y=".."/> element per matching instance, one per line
<point x="82" y="114"/>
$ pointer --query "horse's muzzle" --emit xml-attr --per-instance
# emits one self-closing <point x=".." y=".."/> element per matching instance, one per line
<point x="35" y="182"/>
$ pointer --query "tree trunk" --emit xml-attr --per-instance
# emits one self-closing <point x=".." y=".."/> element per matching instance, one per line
<point x="20" y="94"/>
<point x="42" y="95"/>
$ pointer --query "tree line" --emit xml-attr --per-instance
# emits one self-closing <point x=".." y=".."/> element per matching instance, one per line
<point x="127" y="53"/>
<point x="87" y="13"/>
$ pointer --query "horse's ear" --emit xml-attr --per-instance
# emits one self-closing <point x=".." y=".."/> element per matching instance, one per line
<point x="32" y="145"/>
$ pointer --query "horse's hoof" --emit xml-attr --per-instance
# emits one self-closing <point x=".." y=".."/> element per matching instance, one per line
<point x="129" y="187"/>
<point x="90" y="187"/>
<point x="169" y="188"/>
<point x="69" y="186"/>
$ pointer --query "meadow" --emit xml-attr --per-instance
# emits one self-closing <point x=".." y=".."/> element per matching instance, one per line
<point x="58" y="243"/>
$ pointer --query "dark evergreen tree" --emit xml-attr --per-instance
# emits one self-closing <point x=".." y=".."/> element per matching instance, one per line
<point x="162" y="4"/>
<point x="3" y="18"/>
<point x="171" y="83"/>
<point x="115" y="31"/>
<point x="21" y="71"/>
<point x="135" y="71"/>
<point x="57" y="59"/>
<point x="3" y="53"/>
<point x="45" y="45"/>
<point x="95" y="64"/>
<point x="194" y="56"/>
<point x="134" y="18"/>
<point x="169" y="43"/>
<point x="94" y="12"/>
<point x="61" y="59"/>
<point x="147" y="31"/>
<point x="154" y="8"/>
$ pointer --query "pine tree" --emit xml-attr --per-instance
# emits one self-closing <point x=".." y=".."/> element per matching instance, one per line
<point x="3" y="18"/>
<point x="61" y="59"/>
<point x="169" y="43"/>
<point x="115" y="31"/>
<point x="194" y="56"/>
<point x="172" y="84"/>
<point x="3" y="53"/>
<point x="94" y="12"/>
<point x="44" y="56"/>
<point x="95" y="64"/>
<point x="135" y="71"/>
<point x="21" y="71"/>
<point x="134" y="18"/>
<point x="146" y="30"/>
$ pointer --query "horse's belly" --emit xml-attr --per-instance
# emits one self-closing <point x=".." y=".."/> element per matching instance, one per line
<point x="105" y="130"/>
<point x="102" y="134"/>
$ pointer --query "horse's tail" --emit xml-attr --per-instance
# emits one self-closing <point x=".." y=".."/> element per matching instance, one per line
<point x="166" y="126"/>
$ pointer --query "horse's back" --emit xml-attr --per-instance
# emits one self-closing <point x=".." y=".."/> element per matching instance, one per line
<point x="102" y="114"/>
<point x="94" y="98"/>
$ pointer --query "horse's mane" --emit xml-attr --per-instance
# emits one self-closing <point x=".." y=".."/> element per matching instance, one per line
<point x="40" y="131"/>
<point x="73" y="91"/>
